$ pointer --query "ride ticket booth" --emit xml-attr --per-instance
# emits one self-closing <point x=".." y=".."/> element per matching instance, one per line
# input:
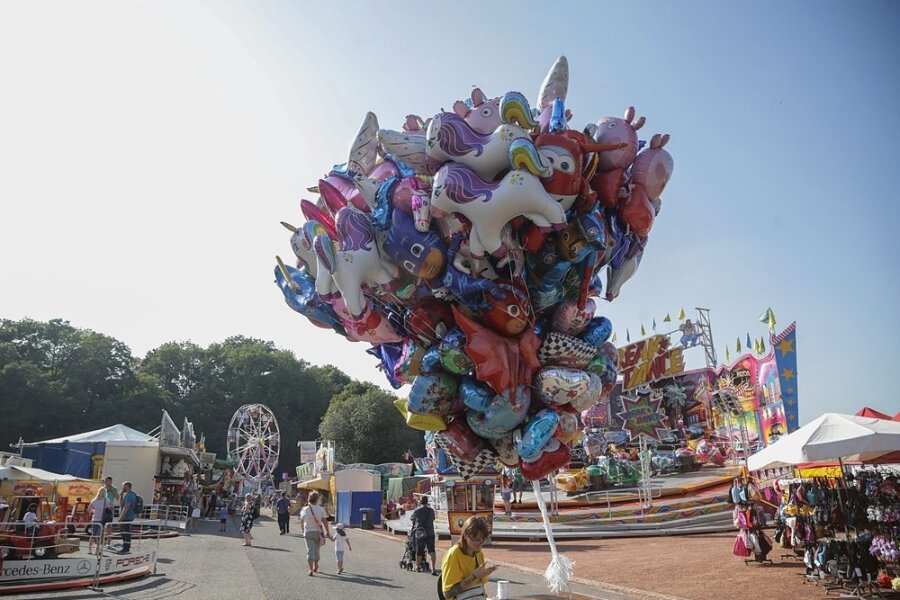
<point x="457" y="499"/>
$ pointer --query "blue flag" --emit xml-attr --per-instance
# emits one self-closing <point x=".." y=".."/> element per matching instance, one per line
<point x="784" y="345"/>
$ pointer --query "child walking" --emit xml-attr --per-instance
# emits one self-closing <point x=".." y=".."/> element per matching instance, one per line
<point x="340" y="540"/>
<point x="223" y="516"/>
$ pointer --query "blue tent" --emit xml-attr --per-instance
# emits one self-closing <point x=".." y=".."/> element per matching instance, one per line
<point x="73" y="454"/>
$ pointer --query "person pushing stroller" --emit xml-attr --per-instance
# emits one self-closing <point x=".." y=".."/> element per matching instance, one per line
<point x="423" y="517"/>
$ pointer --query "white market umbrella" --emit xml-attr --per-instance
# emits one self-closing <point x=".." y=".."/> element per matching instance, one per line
<point x="832" y="436"/>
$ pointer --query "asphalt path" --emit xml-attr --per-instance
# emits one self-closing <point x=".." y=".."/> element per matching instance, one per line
<point x="212" y="565"/>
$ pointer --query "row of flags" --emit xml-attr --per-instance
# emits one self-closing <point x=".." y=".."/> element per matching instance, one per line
<point x="757" y="345"/>
<point x="681" y="316"/>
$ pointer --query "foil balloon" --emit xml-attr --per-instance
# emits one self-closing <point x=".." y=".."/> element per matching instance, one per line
<point x="568" y="427"/>
<point x="409" y="364"/>
<point x="570" y="319"/>
<point x="502" y="414"/>
<point x="591" y="394"/>
<point x="559" y="385"/>
<point x="506" y="450"/>
<point x="453" y="357"/>
<point x="388" y="355"/>
<point x="429" y="320"/>
<point x="536" y="433"/>
<point x="459" y="441"/>
<point x="597" y="331"/>
<point x="547" y="462"/>
<point x="501" y="362"/>
<point x="565" y="350"/>
<point x="432" y="394"/>
<point x="420" y="254"/>
<point x="491" y="205"/>
<point x="420" y="422"/>
<point x="476" y="396"/>
<point x="449" y="139"/>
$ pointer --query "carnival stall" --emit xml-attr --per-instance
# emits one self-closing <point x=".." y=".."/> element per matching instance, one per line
<point x="846" y="528"/>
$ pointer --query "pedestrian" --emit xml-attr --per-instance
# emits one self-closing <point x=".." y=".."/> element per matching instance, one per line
<point x="518" y="485"/>
<point x="112" y="494"/>
<point x="98" y="508"/>
<point x="506" y="491"/>
<point x="340" y="540"/>
<point x="223" y="516"/>
<point x="315" y="530"/>
<point x="126" y="515"/>
<point x="194" y="520"/>
<point x="212" y="505"/>
<point x="463" y="571"/>
<point x="283" y="507"/>
<point x="247" y="519"/>
<point x="423" y="517"/>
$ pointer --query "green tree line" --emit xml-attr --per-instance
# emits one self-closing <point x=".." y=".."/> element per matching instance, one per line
<point x="57" y="379"/>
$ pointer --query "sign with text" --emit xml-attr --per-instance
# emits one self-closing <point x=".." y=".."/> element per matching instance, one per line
<point x="649" y="360"/>
<point x="73" y="568"/>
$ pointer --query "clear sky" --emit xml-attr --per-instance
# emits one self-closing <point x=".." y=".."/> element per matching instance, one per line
<point x="148" y="151"/>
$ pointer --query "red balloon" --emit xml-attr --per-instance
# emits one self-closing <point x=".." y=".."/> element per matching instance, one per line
<point x="607" y="185"/>
<point x="429" y="320"/>
<point x="460" y="441"/>
<point x="638" y="212"/>
<point x="546" y="463"/>
<point x="501" y="362"/>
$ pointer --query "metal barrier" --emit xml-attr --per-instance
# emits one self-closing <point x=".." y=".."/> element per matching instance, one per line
<point x="133" y="538"/>
<point x="654" y="491"/>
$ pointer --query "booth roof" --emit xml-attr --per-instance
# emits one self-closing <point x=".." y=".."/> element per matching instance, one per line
<point x="113" y="433"/>
<point x="315" y="484"/>
<point x="27" y="473"/>
<point x="831" y="436"/>
<point x="865" y="411"/>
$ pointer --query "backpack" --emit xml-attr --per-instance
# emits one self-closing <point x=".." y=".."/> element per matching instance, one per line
<point x="138" y="506"/>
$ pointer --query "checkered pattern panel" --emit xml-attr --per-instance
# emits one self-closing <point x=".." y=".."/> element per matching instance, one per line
<point x="565" y="351"/>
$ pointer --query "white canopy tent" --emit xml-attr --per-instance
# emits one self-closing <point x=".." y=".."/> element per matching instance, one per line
<point x="832" y="436"/>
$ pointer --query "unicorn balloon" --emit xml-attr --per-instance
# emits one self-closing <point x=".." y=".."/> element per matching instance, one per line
<point x="490" y="206"/>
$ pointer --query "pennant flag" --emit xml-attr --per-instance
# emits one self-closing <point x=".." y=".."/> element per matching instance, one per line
<point x="737" y="345"/>
<point x="748" y="340"/>
<point x="614" y="338"/>
<point x="768" y="318"/>
<point x="654" y="323"/>
<point x="627" y="336"/>
<point x="762" y="346"/>
<point x="681" y="314"/>
<point x="784" y="346"/>
<point x="668" y="319"/>
<point x="756" y="347"/>
<point x="727" y="355"/>
<point x="643" y="333"/>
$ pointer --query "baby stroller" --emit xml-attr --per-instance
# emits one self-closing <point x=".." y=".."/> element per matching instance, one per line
<point x="415" y="546"/>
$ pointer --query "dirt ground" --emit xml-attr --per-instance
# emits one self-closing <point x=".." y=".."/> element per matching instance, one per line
<point x="695" y="567"/>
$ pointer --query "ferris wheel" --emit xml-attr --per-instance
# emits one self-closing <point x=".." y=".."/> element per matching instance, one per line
<point x="254" y="442"/>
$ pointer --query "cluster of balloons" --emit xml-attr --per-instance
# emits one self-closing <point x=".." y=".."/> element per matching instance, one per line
<point x="467" y="249"/>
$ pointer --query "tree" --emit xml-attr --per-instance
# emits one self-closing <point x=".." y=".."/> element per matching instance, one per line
<point x="366" y="427"/>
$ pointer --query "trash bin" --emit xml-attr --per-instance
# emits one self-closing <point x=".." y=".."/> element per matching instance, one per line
<point x="367" y="515"/>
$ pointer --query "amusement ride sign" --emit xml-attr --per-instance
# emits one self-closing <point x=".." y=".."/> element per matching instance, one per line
<point x="649" y="360"/>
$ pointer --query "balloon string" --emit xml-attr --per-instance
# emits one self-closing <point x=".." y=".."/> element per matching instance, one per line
<point x="559" y="572"/>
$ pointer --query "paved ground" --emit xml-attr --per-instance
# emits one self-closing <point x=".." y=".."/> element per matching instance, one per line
<point x="213" y="565"/>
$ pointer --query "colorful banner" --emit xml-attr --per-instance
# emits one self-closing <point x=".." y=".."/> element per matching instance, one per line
<point x="784" y="346"/>
<point x="649" y="360"/>
<point x="642" y="416"/>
